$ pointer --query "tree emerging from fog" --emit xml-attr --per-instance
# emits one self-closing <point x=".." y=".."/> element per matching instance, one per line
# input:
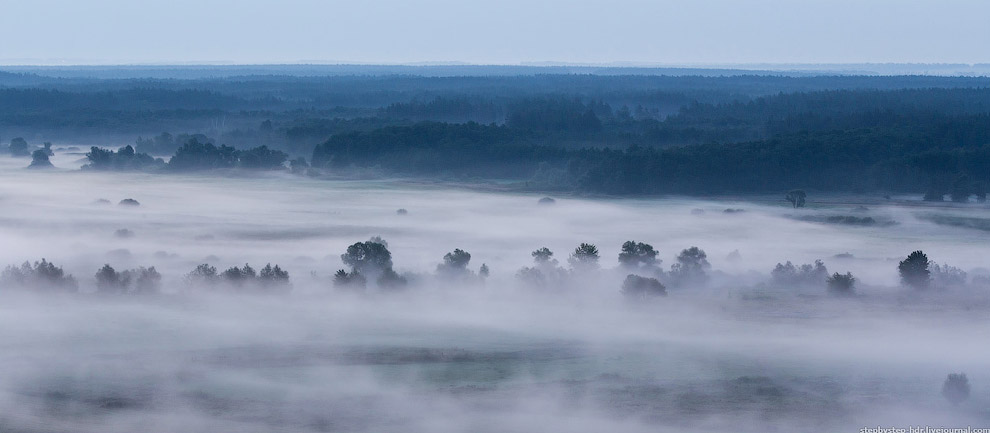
<point x="945" y="276"/>
<point x="691" y="267"/>
<point x="788" y="275"/>
<point x="373" y="260"/>
<point x="956" y="388"/>
<point x="545" y="271"/>
<point x="637" y="254"/>
<point x="40" y="159"/>
<point x="914" y="270"/>
<point x="841" y="284"/>
<point x="637" y="287"/>
<point x="796" y="197"/>
<point x="584" y="257"/>
<point x="140" y="281"/>
<point x="455" y="265"/>
<point x="43" y="275"/>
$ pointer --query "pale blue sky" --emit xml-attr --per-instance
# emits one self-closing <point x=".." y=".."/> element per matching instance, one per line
<point x="697" y="32"/>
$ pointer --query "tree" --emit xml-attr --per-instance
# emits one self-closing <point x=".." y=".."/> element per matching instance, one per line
<point x="961" y="189"/>
<point x="353" y="280"/>
<point x="389" y="279"/>
<point x="368" y="257"/>
<point x="691" y="267"/>
<point x="483" y="271"/>
<point x="638" y="287"/>
<point x="914" y="270"/>
<point x="44" y="275"/>
<point x="934" y="194"/>
<point x="947" y="276"/>
<point x="584" y="257"/>
<point x="18" y="147"/>
<point x="298" y="165"/>
<point x="239" y="276"/>
<point x="796" y="197"/>
<point x="204" y="274"/>
<point x="108" y="281"/>
<point x="636" y="254"/>
<point x="544" y="256"/>
<point x="454" y="263"/>
<point x="262" y="158"/>
<point x="840" y="284"/>
<point x="805" y="275"/>
<point x="980" y="191"/>
<point x="273" y="276"/>
<point x="39" y="159"/>
<point x="956" y="388"/>
<point x="148" y="280"/>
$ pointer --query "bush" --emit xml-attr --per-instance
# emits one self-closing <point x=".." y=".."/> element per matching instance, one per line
<point x="640" y="287"/>
<point x="840" y="284"/>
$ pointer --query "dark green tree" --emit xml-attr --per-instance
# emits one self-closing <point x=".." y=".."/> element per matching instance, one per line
<point x="914" y="270"/>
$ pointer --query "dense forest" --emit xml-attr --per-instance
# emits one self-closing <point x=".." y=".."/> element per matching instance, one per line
<point x="601" y="131"/>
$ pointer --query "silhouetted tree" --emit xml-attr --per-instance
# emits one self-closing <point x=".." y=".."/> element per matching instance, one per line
<point x="638" y="287"/>
<point x="239" y="276"/>
<point x="148" y="280"/>
<point x="796" y="197"/>
<point x="584" y="257"/>
<point x="956" y="388"/>
<point x="109" y="281"/>
<point x="840" y="284"/>
<point x="353" y="280"/>
<point x="947" y="276"/>
<point x="691" y="267"/>
<point x="483" y="271"/>
<point x="805" y="275"/>
<point x="204" y="274"/>
<point x="44" y="275"/>
<point x="18" y="147"/>
<point x="273" y="276"/>
<point x="389" y="279"/>
<point x="454" y="263"/>
<point x="961" y="189"/>
<point x="39" y="159"/>
<point x="636" y="254"/>
<point x="544" y="256"/>
<point x="368" y="257"/>
<point x="914" y="270"/>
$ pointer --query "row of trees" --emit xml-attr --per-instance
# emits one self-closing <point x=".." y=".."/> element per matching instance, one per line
<point x="44" y="275"/>
<point x="191" y="156"/>
<point x="370" y="263"/>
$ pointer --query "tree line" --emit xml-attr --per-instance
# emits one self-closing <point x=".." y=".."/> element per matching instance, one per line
<point x="369" y="266"/>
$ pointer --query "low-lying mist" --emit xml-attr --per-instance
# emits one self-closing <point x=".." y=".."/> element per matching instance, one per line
<point x="737" y="346"/>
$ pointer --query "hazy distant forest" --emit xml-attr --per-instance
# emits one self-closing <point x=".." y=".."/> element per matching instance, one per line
<point x="589" y="131"/>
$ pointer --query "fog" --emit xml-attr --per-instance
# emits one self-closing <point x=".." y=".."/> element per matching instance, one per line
<point x="495" y="354"/>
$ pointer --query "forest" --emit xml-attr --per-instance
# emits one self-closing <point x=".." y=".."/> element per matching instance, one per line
<point x="597" y="133"/>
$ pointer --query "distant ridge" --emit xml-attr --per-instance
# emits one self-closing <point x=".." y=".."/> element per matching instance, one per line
<point x="451" y="70"/>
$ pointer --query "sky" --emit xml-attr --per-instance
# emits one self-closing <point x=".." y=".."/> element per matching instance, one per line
<point x="659" y="32"/>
